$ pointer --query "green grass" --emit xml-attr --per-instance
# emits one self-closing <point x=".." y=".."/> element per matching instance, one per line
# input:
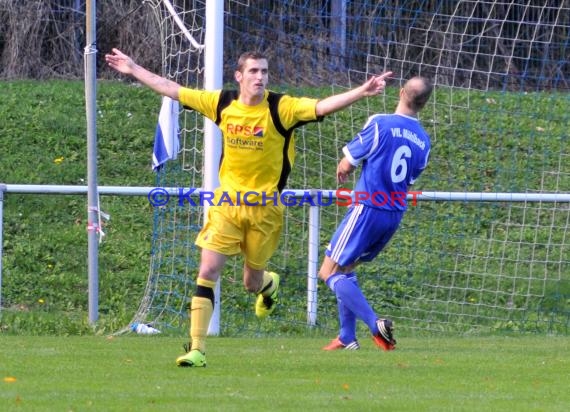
<point x="482" y="141"/>
<point x="44" y="261"/>
<point x="138" y="373"/>
<point x="44" y="290"/>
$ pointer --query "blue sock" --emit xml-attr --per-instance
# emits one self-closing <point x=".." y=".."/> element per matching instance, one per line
<point x="347" y="319"/>
<point x="349" y="293"/>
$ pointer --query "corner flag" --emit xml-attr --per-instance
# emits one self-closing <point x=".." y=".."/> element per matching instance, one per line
<point x="166" y="143"/>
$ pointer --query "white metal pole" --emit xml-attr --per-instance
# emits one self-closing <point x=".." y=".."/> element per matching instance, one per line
<point x="338" y="29"/>
<point x="92" y="195"/>
<point x="213" y="79"/>
<point x="423" y="196"/>
<point x="2" y="189"/>
<point x="313" y="262"/>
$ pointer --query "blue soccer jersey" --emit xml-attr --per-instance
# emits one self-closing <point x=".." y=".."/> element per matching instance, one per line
<point x="393" y="150"/>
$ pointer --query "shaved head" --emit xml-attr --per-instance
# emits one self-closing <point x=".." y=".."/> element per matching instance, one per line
<point x="418" y="91"/>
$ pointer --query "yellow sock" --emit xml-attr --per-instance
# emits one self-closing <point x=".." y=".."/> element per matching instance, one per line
<point x="201" y="311"/>
<point x="268" y="286"/>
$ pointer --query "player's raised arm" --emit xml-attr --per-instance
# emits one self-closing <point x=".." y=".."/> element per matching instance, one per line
<point x="122" y="63"/>
<point x="371" y="87"/>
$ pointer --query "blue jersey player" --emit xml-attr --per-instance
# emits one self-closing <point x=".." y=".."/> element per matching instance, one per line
<point x="393" y="150"/>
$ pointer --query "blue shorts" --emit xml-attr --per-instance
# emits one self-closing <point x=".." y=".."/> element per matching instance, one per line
<point x="362" y="234"/>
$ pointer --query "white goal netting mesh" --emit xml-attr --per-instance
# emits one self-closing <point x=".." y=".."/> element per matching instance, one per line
<point x="499" y="123"/>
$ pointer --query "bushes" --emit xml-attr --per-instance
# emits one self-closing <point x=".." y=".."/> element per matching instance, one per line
<point x="42" y="39"/>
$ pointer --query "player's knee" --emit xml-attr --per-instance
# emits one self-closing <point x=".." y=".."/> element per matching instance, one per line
<point x="328" y="268"/>
<point x="324" y="275"/>
<point x="209" y="272"/>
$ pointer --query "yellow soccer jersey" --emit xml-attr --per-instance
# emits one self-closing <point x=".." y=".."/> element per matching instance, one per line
<point x="256" y="157"/>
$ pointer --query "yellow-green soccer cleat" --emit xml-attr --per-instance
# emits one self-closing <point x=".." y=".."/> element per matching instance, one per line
<point x="264" y="305"/>
<point x="193" y="358"/>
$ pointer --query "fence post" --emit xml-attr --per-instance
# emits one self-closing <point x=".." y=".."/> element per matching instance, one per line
<point x="93" y="224"/>
<point x="313" y="261"/>
<point x="2" y="190"/>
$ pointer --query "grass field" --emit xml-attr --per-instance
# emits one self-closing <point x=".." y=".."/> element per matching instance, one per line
<point x="44" y="282"/>
<point x="138" y="373"/>
<point x="44" y="293"/>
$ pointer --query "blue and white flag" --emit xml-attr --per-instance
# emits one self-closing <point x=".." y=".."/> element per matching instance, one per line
<point x="166" y="143"/>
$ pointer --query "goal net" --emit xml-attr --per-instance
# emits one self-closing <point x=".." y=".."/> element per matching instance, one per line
<point x="490" y="250"/>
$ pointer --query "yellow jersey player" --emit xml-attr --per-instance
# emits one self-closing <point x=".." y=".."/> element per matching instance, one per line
<point x="258" y="152"/>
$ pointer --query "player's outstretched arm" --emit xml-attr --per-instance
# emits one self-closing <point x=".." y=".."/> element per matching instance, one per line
<point x="371" y="87"/>
<point x="122" y="63"/>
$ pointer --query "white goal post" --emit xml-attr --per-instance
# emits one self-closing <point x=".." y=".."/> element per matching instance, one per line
<point x="487" y="246"/>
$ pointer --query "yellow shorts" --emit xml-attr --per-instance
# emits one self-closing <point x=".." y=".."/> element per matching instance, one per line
<point x="251" y="230"/>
